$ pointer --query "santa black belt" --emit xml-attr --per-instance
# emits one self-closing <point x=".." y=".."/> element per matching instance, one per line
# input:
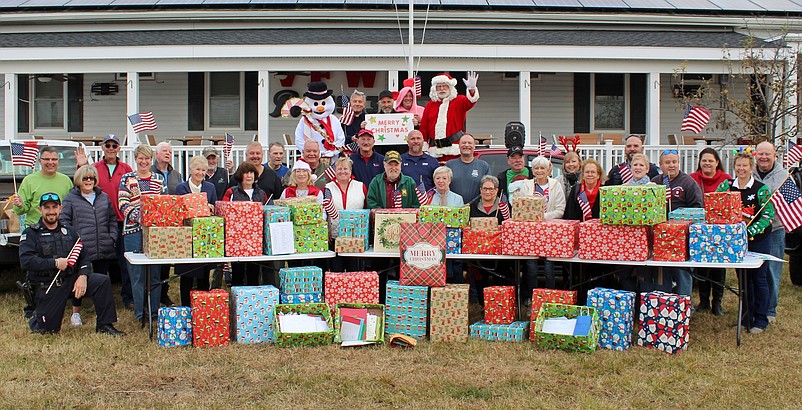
<point x="449" y="141"/>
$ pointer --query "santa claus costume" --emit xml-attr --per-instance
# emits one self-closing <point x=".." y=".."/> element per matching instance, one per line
<point x="443" y="120"/>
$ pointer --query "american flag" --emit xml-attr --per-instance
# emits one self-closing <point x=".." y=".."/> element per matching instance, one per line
<point x="555" y="150"/>
<point x="149" y="186"/>
<point x="584" y="205"/>
<point x="328" y="204"/>
<point x="72" y="258"/>
<point x="24" y="154"/>
<point x="348" y="113"/>
<point x="667" y="183"/>
<point x="695" y="120"/>
<point x="504" y="207"/>
<point x="793" y="155"/>
<point x="330" y="173"/>
<point x="626" y="173"/>
<point x="228" y="144"/>
<point x="423" y="196"/>
<point x="542" y="150"/>
<point x="397" y="200"/>
<point x="417" y="87"/>
<point x="350" y="148"/>
<point x="787" y="205"/>
<point x="542" y="191"/>
<point x="142" y="121"/>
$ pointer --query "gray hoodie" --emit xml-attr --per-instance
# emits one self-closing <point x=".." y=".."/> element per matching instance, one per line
<point x="773" y="180"/>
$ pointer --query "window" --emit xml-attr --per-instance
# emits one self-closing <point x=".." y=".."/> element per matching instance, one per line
<point x="48" y="103"/>
<point x="609" y="102"/>
<point x="225" y="100"/>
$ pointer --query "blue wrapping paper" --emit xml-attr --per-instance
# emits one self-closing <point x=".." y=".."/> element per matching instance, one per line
<point x="453" y="240"/>
<point x="406" y="310"/>
<point x="695" y="215"/>
<point x="300" y="298"/>
<point x="717" y="243"/>
<point x="616" y="315"/>
<point x="355" y="224"/>
<point x="513" y="332"/>
<point x="273" y="214"/>
<point x="305" y="279"/>
<point x="254" y="307"/>
<point x="175" y="326"/>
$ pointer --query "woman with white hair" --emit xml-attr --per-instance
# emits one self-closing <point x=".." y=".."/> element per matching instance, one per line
<point x="300" y="183"/>
<point x="346" y="193"/>
<point x="443" y="195"/>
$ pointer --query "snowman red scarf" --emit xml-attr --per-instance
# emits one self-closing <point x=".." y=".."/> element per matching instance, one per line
<point x="326" y="131"/>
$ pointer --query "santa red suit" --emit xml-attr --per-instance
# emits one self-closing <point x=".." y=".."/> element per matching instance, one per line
<point x="443" y="120"/>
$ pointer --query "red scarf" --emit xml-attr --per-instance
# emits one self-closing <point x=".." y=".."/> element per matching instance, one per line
<point x="290" y="191"/>
<point x="591" y="194"/>
<point x="328" y="141"/>
<point x="710" y="184"/>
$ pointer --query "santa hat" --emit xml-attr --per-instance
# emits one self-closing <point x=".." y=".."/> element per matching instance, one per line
<point x="444" y="78"/>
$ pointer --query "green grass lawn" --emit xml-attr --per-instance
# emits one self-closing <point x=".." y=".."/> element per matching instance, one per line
<point x="78" y="368"/>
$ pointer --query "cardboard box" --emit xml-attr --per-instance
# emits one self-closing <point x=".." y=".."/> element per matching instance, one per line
<point x="723" y="207"/>
<point x="167" y="242"/>
<point x="613" y="242"/>
<point x="489" y="223"/>
<point x="632" y="205"/>
<point x="717" y="243"/>
<point x="449" y="314"/>
<point x="500" y="305"/>
<point x="210" y="313"/>
<point x="528" y="208"/>
<point x="174" y="326"/>
<point x="8" y="215"/>
<point x="671" y="241"/>
<point x="663" y="321"/>
<point x="616" y="316"/>
<point x="451" y="216"/>
<point x="541" y="296"/>
<point x="577" y="343"/>
<point x="349" y="245"/>
<point x="285" y="339"/>
<point x="354" y="223"/>
<point x="244" y="227"/>
<point x="372" y="308"/>
<point x="305" y="279"/>
<point x="423" y="254"/>
<point x="208" y="236"/>
<point x="253" y="307"/>
<point x="513" y="332"/>
<point x="387" y="228"/>
<point x="295" y="200"/>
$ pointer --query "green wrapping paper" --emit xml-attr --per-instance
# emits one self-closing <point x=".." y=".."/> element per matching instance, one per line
<point x="208" y="236"/>
<point x="303" y="339"/>
<point x="585" y="344"/>
<point x="632" y="205"/>
<point x="306" y="214"/>
<point x="311" y="238"/>
<point x="451" y="216"/>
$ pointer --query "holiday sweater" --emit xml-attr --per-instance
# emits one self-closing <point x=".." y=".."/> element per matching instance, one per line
<point x="753" y="198"/>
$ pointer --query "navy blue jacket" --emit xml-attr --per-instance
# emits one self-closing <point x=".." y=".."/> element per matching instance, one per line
<point x="365" y="172"/>
<point x="420" y="167"/>
<point x="206" y="187"/>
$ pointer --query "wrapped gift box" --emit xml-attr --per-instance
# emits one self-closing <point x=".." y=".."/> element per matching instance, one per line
<point x="351" y="287"/>
<point x="349" y="245"/>
<point x="175" y="326"/>
<point x="489" y="223"/>
<point x="167" y="242"/>
<point x="299" y="298"/>
<point x="423" y="254"/>
<point x="305" y="279"/>
<point x="194" y="205"/>
<point x="664" y="320"/>
<point x="541" y="296"/>
<point x="210" y="318"/>
<point x="518" y="238"/>
<point x="453" y="240"/>
<point x="273" y="214"/>
<point x="723" y="207"/>
<point x="161" y="210"/>
<point x="613" y="242"/>
<point x="208" y="236"/>
<point x="528" y="208"/>
<point x="244" y="227"/>
<point x="616" y="310"/>
<point x="451" y="216"/>
<point x="372" y="308"/>
<point x="513" y="332"/>
<point x="387" y="227"/>
<point x="500" y="305"/>
<point x="311" y="238"/>
<point x="407" y="310"/>
<point x="354" y="224"/>
<point x="632" y="204"/>
<point x="579" y="343"/>
<point x="295" y="200"/>
<point x="671" y="241"/>
<point x="253" y="306"/>
<point x="717" y="243"/>
<point x="694" y="215"/>
<point x="306" y="213"/>
<point x="285" y="339"/>
<point x="481" y="242"/>
<point x="554" y="238"/>
<point x="448" y="318"/>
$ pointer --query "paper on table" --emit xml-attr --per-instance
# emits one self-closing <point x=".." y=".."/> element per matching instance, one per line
<point x="559" y="326"/>
<point x="282" y="238"/>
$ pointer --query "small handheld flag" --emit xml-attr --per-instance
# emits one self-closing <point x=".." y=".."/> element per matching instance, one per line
<point x="584" y="205"/>
<point x="142" y="121"/>
<point x="788" y="205"/>
<point x="397" y="200"/>
<point x="331" y="173"/>
<point x="420" y="191"/>
<point x="504" y="207"/>
<point x="328" y="205"/>
<point x="626" y="173"/>
<point x="72" y="258"/>
<point x="348" y="114"/>
<point x="542" y="149"/>
<point x="24" y="154"/>
<point x="228" y="145"/>
<point x="793" y="155"/>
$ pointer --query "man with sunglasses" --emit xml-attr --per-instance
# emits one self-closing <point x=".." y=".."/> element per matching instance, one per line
<point x="110" y="170"/>
<point x="633" y="145"/>
<point x="44" y="253"/>
<point x="682" y="192"/>
<point x="48" y="179"/>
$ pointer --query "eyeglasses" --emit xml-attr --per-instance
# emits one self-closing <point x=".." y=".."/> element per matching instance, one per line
<point x="50" y="197"/>
<point x="488" y="189"/>
<point x="88" y="178"/>
<point x="112" y="146"/>
<point x="670" y="151"/>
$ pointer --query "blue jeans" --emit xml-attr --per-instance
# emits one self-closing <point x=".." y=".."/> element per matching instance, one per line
<point x="125" y="289"/>
<point x="454" y="272"/>
<point x="133" y="243"/>
<point x="758" y="286"/>
<point x="531" y="276"/>
<point x="681" y="277"/>
<point x="776" y="248"/>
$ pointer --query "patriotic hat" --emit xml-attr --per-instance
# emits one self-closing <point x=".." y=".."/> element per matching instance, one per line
<point x="49" y="197"/>
<point x="444" y="78"/>
<point x="317" y="91"/>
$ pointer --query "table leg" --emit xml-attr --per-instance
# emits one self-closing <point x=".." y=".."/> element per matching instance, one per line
<point x="741" y="281"/>
<point x="148" y="296"/>
<point x="517" y="270"/>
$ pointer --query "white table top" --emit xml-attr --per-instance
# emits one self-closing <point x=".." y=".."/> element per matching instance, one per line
<point x="370" y="253"/>
<point x="142" y="259"/>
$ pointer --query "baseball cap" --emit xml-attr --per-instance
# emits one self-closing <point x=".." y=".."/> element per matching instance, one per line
<point x="49" y="197"/>
<point x="365" y="132"/>
<point x="515" y="150"/>
<point x="391" y="156"/>
<point x="111" y="137"/>
<point x="385" y="93"/>
<point x="210" y="151"/>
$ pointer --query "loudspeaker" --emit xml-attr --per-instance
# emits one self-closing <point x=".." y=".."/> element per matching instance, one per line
<point x="514" y="134"/>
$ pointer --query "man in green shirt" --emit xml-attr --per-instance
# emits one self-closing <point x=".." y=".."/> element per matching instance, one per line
<point x="517" y="170"/>
<point x="33" y="186"/>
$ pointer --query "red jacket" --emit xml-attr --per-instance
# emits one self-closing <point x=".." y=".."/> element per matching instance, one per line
<point x="110" y="184"/>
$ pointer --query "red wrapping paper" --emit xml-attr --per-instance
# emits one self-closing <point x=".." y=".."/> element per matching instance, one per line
<point x="423" y="254"/>
<point x="723" y="207"/>
<point x="243" y="227"/>
<point x="161" y="210"/>
<point x="210" y="318"/>
<point x="500" y="305"/>
<point x="351" y="287"/>
<point x="671" y="241"/>
<point x="518" y="238"/>
<point x="555" y="238"/>
<point x="480" y="241"/>
<point x="541" y="296"/>
<point x="613" y="242"/>
<point x="194" y="205"/>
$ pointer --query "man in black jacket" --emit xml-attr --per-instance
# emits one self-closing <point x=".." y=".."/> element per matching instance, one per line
<point x="633" y="145"/>
<point x="44" y="253"/>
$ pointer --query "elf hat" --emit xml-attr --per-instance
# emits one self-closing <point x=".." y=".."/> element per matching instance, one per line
<point x="444" y="78"/>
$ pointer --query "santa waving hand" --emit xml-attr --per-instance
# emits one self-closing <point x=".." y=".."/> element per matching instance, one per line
<point x="443" y="121"/>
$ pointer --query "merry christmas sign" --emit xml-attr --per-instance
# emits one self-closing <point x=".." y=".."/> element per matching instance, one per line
<point x="390" y="128"/>
<point x="423" y="254"/>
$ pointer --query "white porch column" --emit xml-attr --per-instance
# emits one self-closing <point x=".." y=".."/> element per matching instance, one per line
<point x="653" y="110"/>
<point x="132" y="107"/>
<point x="525" y="105"/>
<point x="263" y="102"/>
<point x="10" y="89"/>
<point x="392" y="80"/>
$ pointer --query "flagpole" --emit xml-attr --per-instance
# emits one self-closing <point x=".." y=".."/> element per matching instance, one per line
<point x="411" y="40"/>
<point x="13" y="174"/>
<point x="59" y="272"/>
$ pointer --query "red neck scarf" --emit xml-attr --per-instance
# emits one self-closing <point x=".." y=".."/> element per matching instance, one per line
<point x="592" y="194"/>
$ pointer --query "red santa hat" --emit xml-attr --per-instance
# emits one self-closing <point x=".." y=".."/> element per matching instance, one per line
<point x="444" y="78"/>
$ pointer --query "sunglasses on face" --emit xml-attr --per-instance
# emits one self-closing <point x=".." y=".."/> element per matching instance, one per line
<point x="112" y="146"/>
<point x="88" y="179"/>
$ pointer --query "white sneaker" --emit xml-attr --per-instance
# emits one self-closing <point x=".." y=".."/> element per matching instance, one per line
<point x="75" y="319"/>
<point x="772" y="320"/>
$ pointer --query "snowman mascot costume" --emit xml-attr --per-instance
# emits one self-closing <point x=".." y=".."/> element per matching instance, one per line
<point x="317" y="123"/>
<point x="443" y="120"/>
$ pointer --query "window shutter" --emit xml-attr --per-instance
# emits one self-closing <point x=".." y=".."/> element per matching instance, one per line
<point x="251" y="101"/>
<point x="195" y="101"/>
<point x="75" y="102"/>
<point x="581" y="102"/>
<point x="637" y="103"/>
<point x="23" y="105"/>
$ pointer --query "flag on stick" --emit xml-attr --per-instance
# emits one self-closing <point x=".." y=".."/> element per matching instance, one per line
<point x="504" y="207"/>
<point x="787" y="205"/>
<point x="626" y="173"/>
<point x="142" y="121"/>
<point x="792" y="155"/>
<point x="23" y="154"/>
<point x="228" y="144"/>
<point x="695" y="120"/>
<point x="397" y="200"/>
<point x="542" y="149"/>
<point x="348" y="114"/>
<point x="328" y="205"/>
<point x="423" y="197"/>
<point x="72" y="258"/>
<point x="584" y="205"/>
